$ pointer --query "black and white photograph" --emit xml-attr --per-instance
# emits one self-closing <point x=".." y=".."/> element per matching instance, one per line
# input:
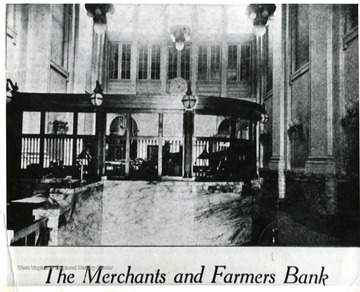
<point x="182" y="125"/>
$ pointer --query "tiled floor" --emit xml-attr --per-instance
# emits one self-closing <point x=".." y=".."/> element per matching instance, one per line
<point x="139" y="213"/>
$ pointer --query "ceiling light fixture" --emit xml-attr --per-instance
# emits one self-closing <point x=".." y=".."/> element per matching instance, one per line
<point x="180" y="34"/>
<point x="260" y="14"/>
<point x="98" y="13"/>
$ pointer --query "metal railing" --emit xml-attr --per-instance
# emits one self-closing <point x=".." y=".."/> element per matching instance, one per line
<point x="54" y="149"/>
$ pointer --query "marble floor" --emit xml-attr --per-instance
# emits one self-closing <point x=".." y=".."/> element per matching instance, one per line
<point x="175" y="213"/>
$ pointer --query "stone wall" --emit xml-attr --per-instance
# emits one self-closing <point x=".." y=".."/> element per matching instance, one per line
<point x="82" y="226"/>
<point x="181" y="213"/>
<point x="74" y="215"/>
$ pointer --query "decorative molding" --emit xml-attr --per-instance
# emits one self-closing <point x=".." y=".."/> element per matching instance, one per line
<point x="132" y="103"/>
<point x="276" y="163"/>
<point x="298" y="171"/>
<point x="320" y="165"/>
<point x="59" y="69"/>
<point x="295" y="126"/>
<point x="299" y="72"/>
<point x="268" y="95"/>
<point x="351" y="35"/>
<point x="11" y="32"/>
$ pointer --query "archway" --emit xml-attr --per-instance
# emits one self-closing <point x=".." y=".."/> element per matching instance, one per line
<point x="118" y="129"/>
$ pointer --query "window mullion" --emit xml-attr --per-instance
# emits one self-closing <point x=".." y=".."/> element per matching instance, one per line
<point x="149" y="60"/>
<point x="119" y="60"/>
<point x="238" y="61"/>
<point x="208" y="62"/>
<point x="219" y="61"/>
<point x="178" y="61"/>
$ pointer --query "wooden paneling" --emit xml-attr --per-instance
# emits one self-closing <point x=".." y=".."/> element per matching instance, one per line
<point x="148" y="86"/>
<point x="119" y="86"/>
<point x="208" y="88"/>
<point x="136" y="103"/>
<point x="238" y="90"/>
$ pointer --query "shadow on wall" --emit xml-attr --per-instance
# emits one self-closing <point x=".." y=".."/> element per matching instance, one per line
<point x="302" y="218"/>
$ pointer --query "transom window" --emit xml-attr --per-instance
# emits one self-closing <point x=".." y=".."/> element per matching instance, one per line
<point x="239" y="60"/>
<point x="209" y="66"/>
<point x="119" y="61"/>
<point x="179" y="62"/>
<point x="149" y="62"/>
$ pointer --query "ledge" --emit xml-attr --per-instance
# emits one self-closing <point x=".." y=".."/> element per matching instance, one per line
<point x="276" y="163"/>
<point x="268" y="95"/>
<point x="132" y="103"/>
<point x="60" y="200"/>
<point x="208" y="82"/>
<point x="302" y="70"/>
<point x="144" y="81"/>
<point x="125" y="81"/>
<point x="11" y="32"/>
<point x="302" y="174"/>
<point x="352" y="34"/>
<point x="59" y="69"/>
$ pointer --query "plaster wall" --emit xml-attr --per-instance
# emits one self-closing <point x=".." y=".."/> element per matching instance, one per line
<point x="300" y="110"/>
<point x="29" y="49"/>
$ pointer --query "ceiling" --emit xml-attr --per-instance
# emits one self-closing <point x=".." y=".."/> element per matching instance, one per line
<point x="156" y="19"/>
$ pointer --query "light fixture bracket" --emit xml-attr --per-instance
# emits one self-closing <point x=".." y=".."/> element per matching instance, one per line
<point x="11" y="90"/>
<point x="189" y="100"/>
<point x="264" y="118"/>
<point x="97" y="98"/>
